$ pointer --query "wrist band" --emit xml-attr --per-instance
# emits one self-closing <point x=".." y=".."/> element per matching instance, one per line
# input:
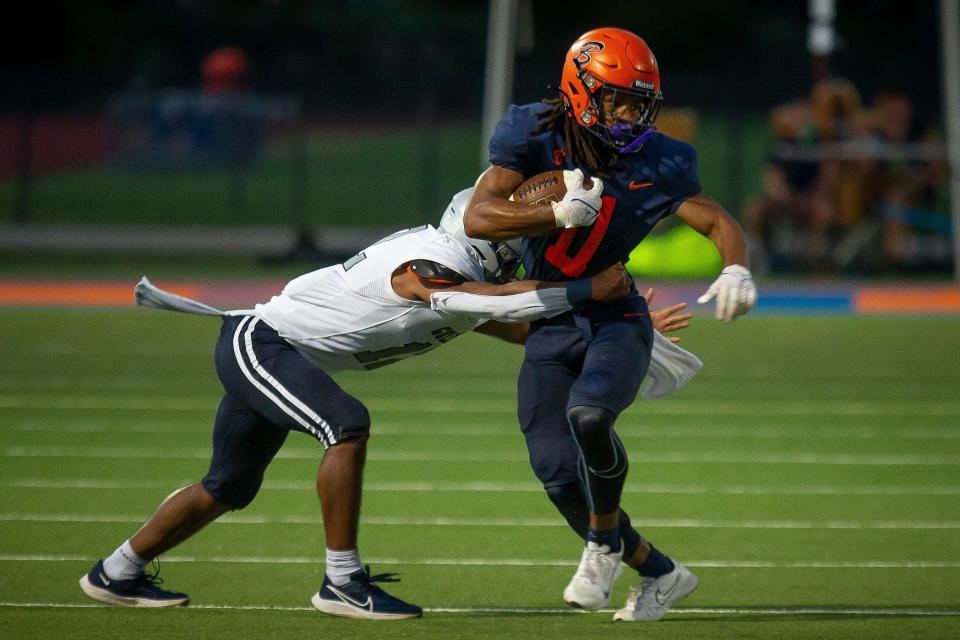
<point x="579" y="291"/>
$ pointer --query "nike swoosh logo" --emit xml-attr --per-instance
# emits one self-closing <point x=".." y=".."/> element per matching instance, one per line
<point x="345" y="598"/>
<point x="662" y="596"/>
<point x="639" y="185"/>
<point x="104" y="578"/>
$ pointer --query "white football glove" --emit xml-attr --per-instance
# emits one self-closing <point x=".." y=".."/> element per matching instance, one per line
<point x="579" y="207"/>
<point x="735" y="293"/>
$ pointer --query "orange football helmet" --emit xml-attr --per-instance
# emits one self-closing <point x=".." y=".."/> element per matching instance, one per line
<point x="611" y="84"/>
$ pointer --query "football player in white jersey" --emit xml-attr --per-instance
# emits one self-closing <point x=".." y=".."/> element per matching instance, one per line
<point x="402" y="296"/>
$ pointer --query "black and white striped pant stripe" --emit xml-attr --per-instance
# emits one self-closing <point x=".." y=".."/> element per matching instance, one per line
<point x="264" y="372"/>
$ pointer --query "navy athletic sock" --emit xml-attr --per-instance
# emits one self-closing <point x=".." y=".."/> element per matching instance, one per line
<point x="608" y="537"/>
<point x="655" y="565"/>
<point x="631" y="539"/>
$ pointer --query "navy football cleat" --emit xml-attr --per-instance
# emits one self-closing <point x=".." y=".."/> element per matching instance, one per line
<point x="142" y="591"/>
<point x="360" y="598"/>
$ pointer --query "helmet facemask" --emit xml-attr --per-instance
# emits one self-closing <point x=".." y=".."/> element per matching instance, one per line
<point x="627" y="116"/>
<point x="623" y="118"/>
<point x="509" y="260"/>
<point x="500" y="261"/>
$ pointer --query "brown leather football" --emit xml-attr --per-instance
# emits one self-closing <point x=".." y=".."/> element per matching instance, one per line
<point x="543" y="187"/>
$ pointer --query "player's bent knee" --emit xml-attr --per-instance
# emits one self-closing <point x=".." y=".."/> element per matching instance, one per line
<point x="233" y="493"/>
<point x="590" y="423"/>
<point x="572" y="504"/>
<point x="242" y="495"/>
<point x="566" y="496"/>
<point x="553" y="469"/>
<point x="354" y="422"/>
<point x="210" y="502"/>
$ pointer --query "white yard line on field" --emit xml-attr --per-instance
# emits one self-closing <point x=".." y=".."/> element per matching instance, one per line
<point x="396" y="455"/>
<point x="512" y="562"/>
<point x="719" y="611"/>
<point x="406" y="486"/>
<point x="388" y="521"/>
<point x="507" y="405"/>
<point x="626" y="431"/>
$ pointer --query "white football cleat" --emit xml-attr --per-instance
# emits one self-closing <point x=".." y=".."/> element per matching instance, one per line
<point x="653" y="597"/>
<point x="591" y="584"/>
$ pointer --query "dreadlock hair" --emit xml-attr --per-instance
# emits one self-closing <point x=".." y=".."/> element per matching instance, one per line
<point x="584" y="149"/>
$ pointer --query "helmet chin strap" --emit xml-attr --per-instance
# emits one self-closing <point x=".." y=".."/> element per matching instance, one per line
<point x="637" y="142"/>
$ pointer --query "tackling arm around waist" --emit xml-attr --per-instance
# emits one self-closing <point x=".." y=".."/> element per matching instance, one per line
<point x="518" y="307"/>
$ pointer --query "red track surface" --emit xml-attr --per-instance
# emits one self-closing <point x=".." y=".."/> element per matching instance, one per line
<point x="234" y="294"/>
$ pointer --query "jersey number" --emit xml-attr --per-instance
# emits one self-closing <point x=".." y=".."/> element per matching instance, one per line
<point x="383" y="357"/>
<point x="360" y="257"/>
<point x="556" y="254"/>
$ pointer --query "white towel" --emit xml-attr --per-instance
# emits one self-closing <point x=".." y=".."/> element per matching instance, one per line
<point x="670" y="368"/>
<point x="147" y="295"/>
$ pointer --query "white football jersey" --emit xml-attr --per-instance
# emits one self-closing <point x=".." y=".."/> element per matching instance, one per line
<point x="348" y="316"/>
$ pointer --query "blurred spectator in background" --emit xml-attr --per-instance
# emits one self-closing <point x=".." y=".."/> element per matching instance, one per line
<point x="907" y="182"/>
<point x="839" y="119"/>
<point x="846" y="188"/>
<point x="226" y="70"/>
<point x="226" y="123"/>
<point x="807" y="201"/>
<point x="221" y="124"/>
<point x="790" y="187"/>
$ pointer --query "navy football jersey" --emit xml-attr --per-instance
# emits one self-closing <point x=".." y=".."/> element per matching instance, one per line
<point x="645" y="187"/>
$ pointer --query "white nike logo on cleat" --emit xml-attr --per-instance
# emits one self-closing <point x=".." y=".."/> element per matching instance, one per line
<point x="104" y="578"/>
<point x="662" y="596"/>
<point x="344" y="597"/>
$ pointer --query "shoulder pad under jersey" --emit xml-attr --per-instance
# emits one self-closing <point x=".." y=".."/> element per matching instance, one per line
<point x="434" y="275"/>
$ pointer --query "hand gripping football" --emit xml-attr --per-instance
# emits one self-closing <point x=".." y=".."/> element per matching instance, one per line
<point x="574" y="205"/>
<point x="544" y="187"/>
<point x="541" y="188"/>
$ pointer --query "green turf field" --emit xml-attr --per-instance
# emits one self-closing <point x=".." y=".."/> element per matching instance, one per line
<point x="809" y="475"/>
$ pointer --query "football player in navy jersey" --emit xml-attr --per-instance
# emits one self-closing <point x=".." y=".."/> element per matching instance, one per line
<point x="583" y="368"/>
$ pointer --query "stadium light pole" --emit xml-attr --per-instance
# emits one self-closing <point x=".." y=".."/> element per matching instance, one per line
<point x="821" y="37"/>
<point x="498" y="78"/>
<point x="950" y="62"/>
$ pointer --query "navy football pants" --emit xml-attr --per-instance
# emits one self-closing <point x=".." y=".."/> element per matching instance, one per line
<point x="567" y="365"/>
<point x="571" y="362"/>
<point x="270" y="390"/>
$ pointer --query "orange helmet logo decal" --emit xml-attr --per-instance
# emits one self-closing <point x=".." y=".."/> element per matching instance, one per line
<point x="588" y="47"/>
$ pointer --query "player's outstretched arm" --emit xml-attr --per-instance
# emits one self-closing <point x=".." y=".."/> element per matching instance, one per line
<point x="665" y="320"/>
<point x="734" y="290"/>
<point x="518" y="301"/>
<point x="611" y="284"/>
